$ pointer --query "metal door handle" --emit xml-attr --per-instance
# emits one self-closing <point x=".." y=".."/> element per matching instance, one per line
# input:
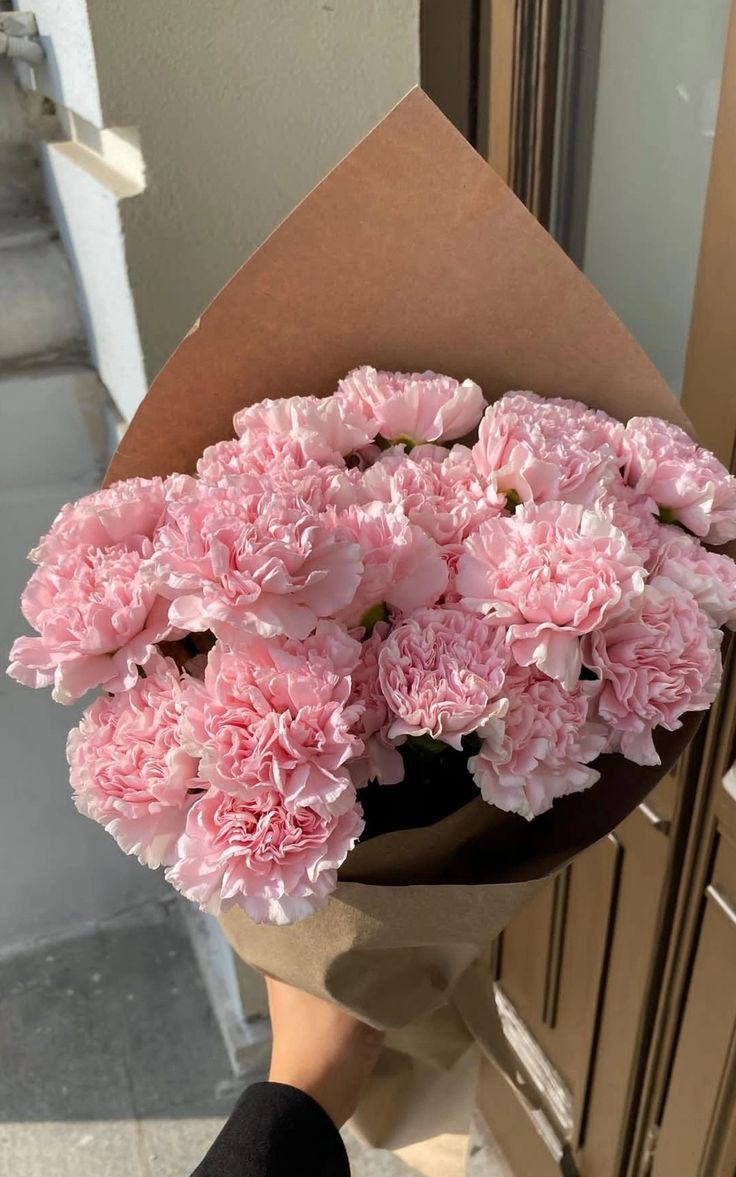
<point x="729" y="781"/>
<point x="721" y="901"/>
<point x="663" y="824"/>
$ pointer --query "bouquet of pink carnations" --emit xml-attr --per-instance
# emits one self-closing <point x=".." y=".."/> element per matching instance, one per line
<point x="347" y="599"/>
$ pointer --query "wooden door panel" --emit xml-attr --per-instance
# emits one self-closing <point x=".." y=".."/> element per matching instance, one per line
<point x="521" y="973"/>
<point x="591" y="907"/>
<point x="551" y="965"/>
<point x="551" y="957"/>
<point x="705" y="1059"/>
<point x="572" y="980"/>
<point x="696" y="1134"/>
<point x="634" y="942"/>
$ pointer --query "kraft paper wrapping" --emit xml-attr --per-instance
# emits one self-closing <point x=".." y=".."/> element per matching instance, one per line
<point x="411" y="254"/>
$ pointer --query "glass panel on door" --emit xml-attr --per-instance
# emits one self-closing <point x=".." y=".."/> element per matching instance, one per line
<point x="657" y="94"/>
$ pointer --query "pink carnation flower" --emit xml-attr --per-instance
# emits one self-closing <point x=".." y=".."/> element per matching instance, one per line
<point x="128" y="769"/>
<point x="251" y="852"/>
<point x="543" y="747"/>
<point x="255" y="454"/>
<point x="125" y="514"/>
<point x="412" y="407"/>
<point x="318" y="485"/>
<point x="439" y="490"/>
<point x="542" y="449"/>
<point x="634" y="515"/>
<point x="381" y="760"/>
<point x="688" y="483"/>
<point x="442" y="673"/>
<point x="98" y="619"/>
<point x="235" y="460"/>
<point x="278" y="713"/>
<point x="273" y="461"/>
<point x="655" y="665"/>
<point x="550" y="573"/>
<point x="709" y="576"/>
<point x="323" y="427"/>
<point x="261" y="563"/>
<point x="402" y="567"/>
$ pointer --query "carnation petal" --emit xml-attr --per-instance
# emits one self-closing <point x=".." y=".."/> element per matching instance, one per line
<point x="128" y="768"/>
<point x="251" y="852"/>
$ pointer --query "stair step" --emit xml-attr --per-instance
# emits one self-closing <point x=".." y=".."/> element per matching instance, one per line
<point x="56" y="428"/>
<point x="19" y="231"/>
<point x="39" y="312"/>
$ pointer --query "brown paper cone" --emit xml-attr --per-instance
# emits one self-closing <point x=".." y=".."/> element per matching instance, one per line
<point x="411" y="254"/>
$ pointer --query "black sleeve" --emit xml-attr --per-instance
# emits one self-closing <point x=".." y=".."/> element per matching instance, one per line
<point x="276" y="1131"/>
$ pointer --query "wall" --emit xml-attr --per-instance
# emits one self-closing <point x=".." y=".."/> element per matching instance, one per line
<point x="58" y="871"/>
<point x="660" y="67"/>
<point x="239" y="110"/>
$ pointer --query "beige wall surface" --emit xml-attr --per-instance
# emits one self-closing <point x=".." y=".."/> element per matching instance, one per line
<point x="240" y="107"/>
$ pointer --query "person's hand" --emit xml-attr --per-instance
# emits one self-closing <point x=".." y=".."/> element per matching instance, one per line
<point x="320" y="1048"/>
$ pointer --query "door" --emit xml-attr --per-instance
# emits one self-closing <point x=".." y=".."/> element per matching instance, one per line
<point x="572" y="976"/>
<point x="686" y="1116"/>
<point x="696" y="1132"/>
<point x="613" y="985"/>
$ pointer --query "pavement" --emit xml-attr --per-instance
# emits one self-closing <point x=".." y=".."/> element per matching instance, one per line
<point x="113" y="1062"/>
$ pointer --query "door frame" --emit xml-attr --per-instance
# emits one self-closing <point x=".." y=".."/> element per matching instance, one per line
<point x="518" y="78"/>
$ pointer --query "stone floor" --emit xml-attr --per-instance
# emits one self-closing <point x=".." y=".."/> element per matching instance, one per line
<point x="117" y="1065"/>
<point x="113" y="1062"/>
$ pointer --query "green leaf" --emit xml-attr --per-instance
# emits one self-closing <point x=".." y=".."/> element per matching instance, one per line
<point x="513" y="500"/>
<point x="427" y="744"/>
<point x="405" y="440"/>
<point x="376" y="613"/>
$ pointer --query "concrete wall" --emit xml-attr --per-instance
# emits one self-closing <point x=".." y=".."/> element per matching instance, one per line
<point x="239" y="109"/>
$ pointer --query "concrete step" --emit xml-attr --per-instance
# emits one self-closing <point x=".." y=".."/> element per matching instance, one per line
<point x="56" y="429"/>
<point x="39" y="311"/>
<point x="13" y="129"/>
<point x="21" y="187"/>
<point x="19" y="231"/>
